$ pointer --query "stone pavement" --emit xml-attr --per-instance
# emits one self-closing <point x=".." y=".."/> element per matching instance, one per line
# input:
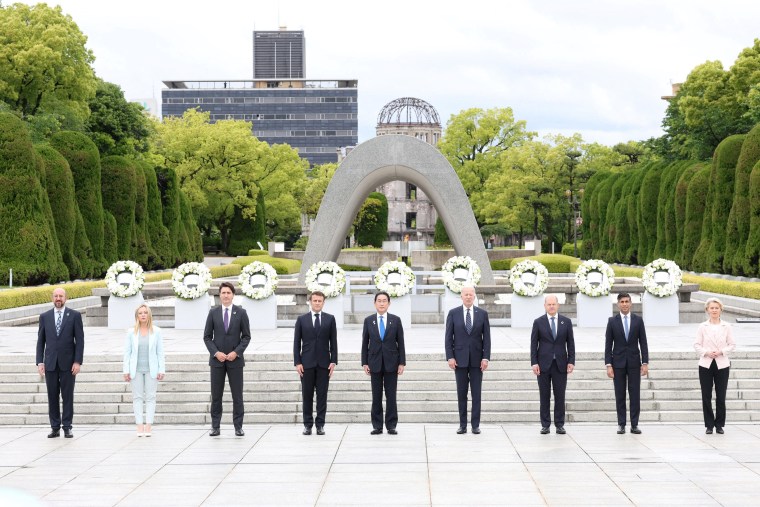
<point x="425" y="464"/>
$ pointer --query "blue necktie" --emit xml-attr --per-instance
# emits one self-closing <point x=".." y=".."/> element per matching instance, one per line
<point x="625" y="326"/>
<point x="554" y="329"/>
<point x="382" y="329"/>
<point x="58" y="324"/>
<point x="226" y="319"/>
<point x="468" y="322"/>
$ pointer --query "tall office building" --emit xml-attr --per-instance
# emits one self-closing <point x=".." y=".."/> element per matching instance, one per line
<point x="319" y="117"/>
<point x="279" y="54"/>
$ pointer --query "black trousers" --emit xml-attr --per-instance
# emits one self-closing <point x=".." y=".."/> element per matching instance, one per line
<point x="235" y="378"/>
<point x="469" y="378"/>
<point x="318" y="378"/>
<point x="554" y="379"/>
<point x="387" y="380"/>
<point x="60" y="384"/>
<point x="630" y="377"/>
<point x="719" y="378"/>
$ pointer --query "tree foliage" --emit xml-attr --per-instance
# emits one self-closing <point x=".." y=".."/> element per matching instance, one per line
<point x="371" y="223"/>
<point x="117" y="127"/>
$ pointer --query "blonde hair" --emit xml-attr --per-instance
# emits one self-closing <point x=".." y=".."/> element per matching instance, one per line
<point x="714" y="300"/>
<point x="137" y="320"/>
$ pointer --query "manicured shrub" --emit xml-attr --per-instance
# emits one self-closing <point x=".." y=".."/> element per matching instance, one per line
<point x="441" y="237"/>
<point x="191" y="231"/>
<point x="603" y="199"/>
<point x="666" y="222"/>
<point x="169" y="189"/>
<point x="569" y="248"/>
<point x="282" y="266"/>
<point x="157" y="231"/>
<point x="590" y="214"/>
<point x="696" y="200"/>
<point x="752" y="250"/>
<point x="246" y="233"/>
<point x="648" y="198"/>
<point x="682" y="188"/>
<point x="110" y="239"/>
<point x="735" y="260"/>
<point x="119" y="194"/>
<point x="371" y="224"/>
<point x="142" y="250"/>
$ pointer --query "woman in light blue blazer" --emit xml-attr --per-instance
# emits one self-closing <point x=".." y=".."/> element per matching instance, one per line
<point x="144" y="366"/>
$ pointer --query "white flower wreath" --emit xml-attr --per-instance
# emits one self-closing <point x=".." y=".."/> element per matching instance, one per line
<point x="327" y="277"/>
<point x="655" y="280"/>
<point x="191" y="280"/>
<point x="258" y="280"/>
<point x="458" y="271"/>
<point x="400" y="284"/>
<point x="533" y="286"/>
<point x="125" y="278"/>
<point x="603" y="281"/>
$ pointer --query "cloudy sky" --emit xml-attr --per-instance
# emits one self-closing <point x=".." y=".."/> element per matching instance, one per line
<point x="594" y="67"/>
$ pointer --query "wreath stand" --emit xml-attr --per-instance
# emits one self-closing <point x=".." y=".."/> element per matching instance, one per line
<point x="121" y="311"/>
<point x="262" y="313"/>
<point x="191" y="313"/>
<point x="524" y="310"/>
<point x="658" y="311"/>
<point x="593" y="311"/>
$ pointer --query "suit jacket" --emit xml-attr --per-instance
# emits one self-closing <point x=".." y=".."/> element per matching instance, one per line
<point x="156" y="360"/>
<point x="386" y="354"/>
<point x="237" y="337"/>
<point x="544" y="348"/>
<point x="468" y="349"/>
<point x="709" y="339"/>
<point x="63" y="350"/>
<point x="311" y="349"/>
<point x="621" y="353"/>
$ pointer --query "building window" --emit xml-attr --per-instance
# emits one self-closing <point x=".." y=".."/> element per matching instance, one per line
<point x="411" y="192"/>
<point x="411" y="220"/>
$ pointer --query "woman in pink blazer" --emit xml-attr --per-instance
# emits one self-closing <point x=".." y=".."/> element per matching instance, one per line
<point x="713" y="344"/>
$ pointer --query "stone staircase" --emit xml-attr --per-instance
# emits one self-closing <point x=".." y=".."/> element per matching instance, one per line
<point x="427" y="391"/>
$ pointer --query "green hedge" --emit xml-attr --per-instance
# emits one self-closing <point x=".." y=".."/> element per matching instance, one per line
<point x="157" y="231"/>
<point x="569" y="248"/>
<point x="257" y="252"/>
<point x="282" y="266"/>
<point x="119" y="196"/>
<point x="246" y="233"/>
<point x="142" y="250"/>
<point x="194" y="250"/>
<point x="735" y="260"/>
<point x="169" y="189"/>
<point x="752" y="250"/>
<point x="371" y="224"/>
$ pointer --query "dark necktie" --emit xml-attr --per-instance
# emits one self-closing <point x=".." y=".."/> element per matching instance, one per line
<point x="625" y="326"/>
<point x="468" y="322"/>
<point x="58" y="323"/>
<point x="317" y="323"/>
<point x="382" y="329"/>
<point x="554" y="329"/>
<point x="226" y="319"/>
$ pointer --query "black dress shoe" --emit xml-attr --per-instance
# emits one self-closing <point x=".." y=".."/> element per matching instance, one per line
<point x="393" y="432"/>
<point x="719" y="430"/>
<point x="67" y="433"/>
<point x="320" y="430"/>
<point x="561" y="430"/>
<point x="239" y="432"/>
<point x="635" y="430"/>
<point x="462" y="430"/>
<point x="214" y="432"/>
<point x="708" y="431"/>
<point x="476" y="431"/>
<point x="621" y="429"/>
<point x="545" y="430"/>
<point x="375" y="432"/>
<point x="54" y="434"/>
<point x="307" y="431"/>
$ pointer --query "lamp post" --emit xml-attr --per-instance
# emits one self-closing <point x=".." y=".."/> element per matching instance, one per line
<point x="575" y="205"/>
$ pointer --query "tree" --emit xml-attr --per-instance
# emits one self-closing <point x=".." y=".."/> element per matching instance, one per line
<point x="45" y="67"/>
<point x="117" y="127"/>
<point x="441" y="237"/>
<point x="371" y="223"/>
<point x="119" y="195"/>
<point x="737" y="232"/>
<point x="314" y="188"/>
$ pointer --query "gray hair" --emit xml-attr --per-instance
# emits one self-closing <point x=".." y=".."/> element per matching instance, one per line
<point x="714" y="300"/>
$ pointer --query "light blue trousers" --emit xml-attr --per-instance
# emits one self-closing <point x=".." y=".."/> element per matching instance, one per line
<point x="144" y="395"/>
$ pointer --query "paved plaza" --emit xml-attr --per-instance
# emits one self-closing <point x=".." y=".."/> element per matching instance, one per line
<point x="425" y="464"/>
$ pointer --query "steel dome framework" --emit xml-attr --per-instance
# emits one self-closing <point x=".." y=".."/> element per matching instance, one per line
<point x="408" y="111"/>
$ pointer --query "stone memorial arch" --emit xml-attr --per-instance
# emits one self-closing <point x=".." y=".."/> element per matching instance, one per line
<point x="390" y="158"/>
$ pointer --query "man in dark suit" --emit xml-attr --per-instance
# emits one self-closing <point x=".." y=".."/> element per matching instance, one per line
<point x="468" y="351"/>
<point x="315" y="354"/>
<point x="227" y="334"/>
<point x="383" y="359"/>
<point x="60" y="352"/>
<point x="626" y="364"/>
<point x="552" y="357"/>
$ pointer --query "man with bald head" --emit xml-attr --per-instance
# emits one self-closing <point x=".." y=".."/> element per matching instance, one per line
<point x="552" y="357"/>
<point x="468" y="351"/>
<point x="60" y="350"/>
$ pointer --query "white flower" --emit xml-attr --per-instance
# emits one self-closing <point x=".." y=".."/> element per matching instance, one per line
<point x="518" y="283"/>
<point x="661" y="288"/>
<point x="407" y="279"/>
<point x="605" y="273"/>
<point x="268" y="277"/>
<point x="330" y="270"/>
<point x="129" y="283"/>
<point x="450" y="267"/>
<point x="179" y="275"/>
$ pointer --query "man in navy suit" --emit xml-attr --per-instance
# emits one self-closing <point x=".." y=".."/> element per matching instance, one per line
<point x="626" y="356"/>
<point x="60" y="351"/>
<point x="383" y="359"/>
<point x="227" y="334"/>
<point x="315" y="354"/>
<point x="468" y="351"/>
<point x="552" y="357"/>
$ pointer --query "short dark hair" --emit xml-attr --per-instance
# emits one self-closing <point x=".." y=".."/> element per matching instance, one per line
<point x="382" y="293"/>
<point x="228" y="285"/>
<point x="317" y="293"/>
<point x="623" y="295"/>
